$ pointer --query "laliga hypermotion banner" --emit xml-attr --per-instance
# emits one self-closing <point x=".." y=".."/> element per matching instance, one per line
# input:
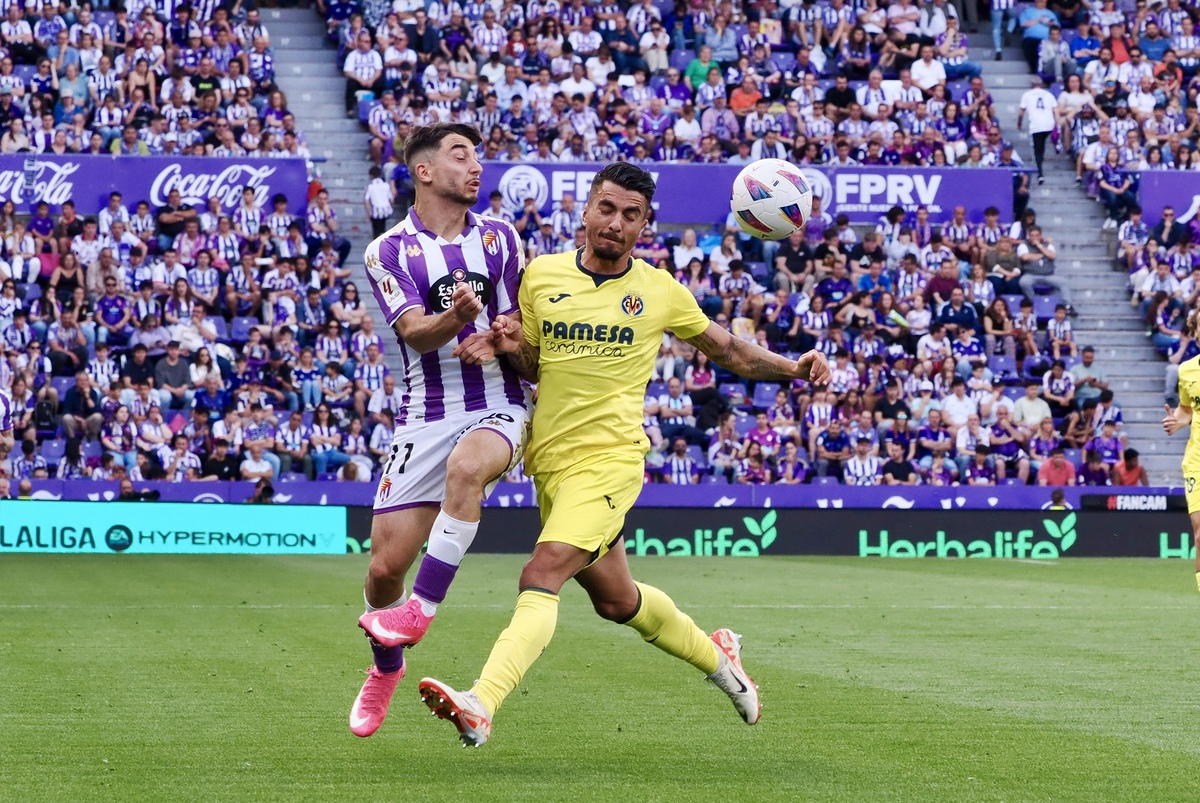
<point x="88" y="180"/>
<point x="171" y="528"/>
<point x="700" y="193"/>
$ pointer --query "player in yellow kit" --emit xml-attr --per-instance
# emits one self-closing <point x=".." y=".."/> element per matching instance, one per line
<point x="592" y="322"/>
<point x="1180" y="417"/>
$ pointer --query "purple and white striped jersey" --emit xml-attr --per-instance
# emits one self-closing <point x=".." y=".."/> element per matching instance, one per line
<point x="409" y="267"/>
<point x="6" y="417"/>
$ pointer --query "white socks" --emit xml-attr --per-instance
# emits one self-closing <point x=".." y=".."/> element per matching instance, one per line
<point x="371" y="608"/>
<point x="450" y="538"/>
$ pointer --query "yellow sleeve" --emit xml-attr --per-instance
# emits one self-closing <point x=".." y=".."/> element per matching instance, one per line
<point x="530" y="325"/>
<point x="1182" y="390"/>
<point x="685" y="318"/>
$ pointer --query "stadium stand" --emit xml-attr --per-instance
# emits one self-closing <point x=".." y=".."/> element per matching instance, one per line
<point x="942" y="349"/>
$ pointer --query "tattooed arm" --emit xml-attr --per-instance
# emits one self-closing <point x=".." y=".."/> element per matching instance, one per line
<point x="508" y="339"/>
<point x="753" y="362"/>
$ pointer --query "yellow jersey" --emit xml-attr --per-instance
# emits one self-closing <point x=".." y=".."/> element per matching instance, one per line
<point x="1189" y="395"/>
<point x="598" y="337"/>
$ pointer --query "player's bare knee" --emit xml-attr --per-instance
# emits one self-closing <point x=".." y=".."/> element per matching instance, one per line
<point x="465" y="470"/>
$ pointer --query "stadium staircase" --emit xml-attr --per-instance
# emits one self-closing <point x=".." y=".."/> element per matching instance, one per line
<point x="306" y="70"/>
<point x="1085" y="259"/>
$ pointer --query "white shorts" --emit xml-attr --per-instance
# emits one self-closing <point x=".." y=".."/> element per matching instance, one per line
<point x="414" y="472"/>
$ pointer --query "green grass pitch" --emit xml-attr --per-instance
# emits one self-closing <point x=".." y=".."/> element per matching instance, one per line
<point x="140" y="678"/>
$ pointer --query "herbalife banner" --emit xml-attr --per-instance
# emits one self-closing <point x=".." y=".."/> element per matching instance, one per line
<point x="890" y="534"/>
<point x="88" y="180"/>
<point x="700" y="193"/>
<point x="167" y="527"/>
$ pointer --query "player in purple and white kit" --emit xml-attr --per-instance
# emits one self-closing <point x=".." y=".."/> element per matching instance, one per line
<point x="6" y="422"/>
<point x="441" y="278"/>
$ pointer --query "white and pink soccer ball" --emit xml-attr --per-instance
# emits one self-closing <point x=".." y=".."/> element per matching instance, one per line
<point x="771" y="199"/>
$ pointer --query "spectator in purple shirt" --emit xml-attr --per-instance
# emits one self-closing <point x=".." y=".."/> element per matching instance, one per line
<point x="978" y="472"/>
<point x="1094" y="472"/>
<point x="763" y="434"/>
<point x="113" y="314"/>
<point x="1107" y="445"/>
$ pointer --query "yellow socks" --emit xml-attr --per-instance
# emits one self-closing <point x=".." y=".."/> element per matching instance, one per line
<point x="1198" y="580"/>
<point x="659" y="622"/>
<point x="520" y="644"/>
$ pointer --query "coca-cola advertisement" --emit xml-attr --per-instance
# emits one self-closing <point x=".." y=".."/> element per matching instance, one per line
<point x="88" y="180"/>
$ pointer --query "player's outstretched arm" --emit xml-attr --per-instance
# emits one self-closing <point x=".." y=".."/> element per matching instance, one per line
<point x="427" y="333"/>
<point x="1176" y="419"/>
<point x="754" y="362"/>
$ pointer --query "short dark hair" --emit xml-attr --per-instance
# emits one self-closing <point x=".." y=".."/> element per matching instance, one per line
<point x="427" y="138"/>
<point x="626" y="176"/>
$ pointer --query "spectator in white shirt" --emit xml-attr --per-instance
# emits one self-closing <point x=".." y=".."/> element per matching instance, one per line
<point x="927" y="72"/>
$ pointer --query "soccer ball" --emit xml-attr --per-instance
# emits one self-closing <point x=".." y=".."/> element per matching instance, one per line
<point x="771" y="199"/>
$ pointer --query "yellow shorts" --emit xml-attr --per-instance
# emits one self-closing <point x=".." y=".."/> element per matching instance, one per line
<point x="585" y="505"/>
<point x="1191" y="486"/>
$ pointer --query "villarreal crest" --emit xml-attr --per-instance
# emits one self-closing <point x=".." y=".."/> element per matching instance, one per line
<point x="632" y="305"/>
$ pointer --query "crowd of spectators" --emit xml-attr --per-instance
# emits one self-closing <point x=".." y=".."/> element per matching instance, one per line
<point x="1128" y="93"/>
<point x="174" y="78"/>
<point x="189" y="344"/>
<point x="707" y="82"/>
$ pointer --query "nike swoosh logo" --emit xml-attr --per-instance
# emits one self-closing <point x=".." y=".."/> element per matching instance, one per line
<point x="447" y="532"/>
<point x="559" y="297"/>
<point x="357" y="721"/>
<point x="743" y="688"/>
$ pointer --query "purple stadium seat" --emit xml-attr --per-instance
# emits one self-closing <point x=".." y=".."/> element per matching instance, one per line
<point x="697" y="454"/>
<point x="732" y="390"/>
<point x="62" y="384"/>
<point x="364" y="109"/>
<point x="1070" y="362"/>
<point x="241" y="328"/>
<point x="680" y="59"/>
<point x="92" y="449"/>
<point x="758" y="270"/>
<point x="1074" y="456"/>
<point x="33" y="292"/>
<point x="1043" y="307"/>
<point x="308" y="418"/>
<point x="1014" y="303"/>
<point x="327" y="476"/>
<point x="53" y="451"/>
<point x="218" y="323"/>
<point x="1004" y="368"/>
<point x="714" y="479"/>
<point x="764" y="394"/>
<point x="784" y="60"/>
<point x="1015" y="392"/>
<point x="658" y="82"/>
<point x="1009" y="482"/>
<point x="825" y="481"/>
<point x="656" y="389"/>
<point x="292" y="476"/>
<point x="743" y="424"/>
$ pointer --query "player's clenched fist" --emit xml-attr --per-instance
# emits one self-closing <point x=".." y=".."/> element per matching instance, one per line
<point x="464" y="303"/>
<point x="814" y="367"/>
<point x="507" y="335"/>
